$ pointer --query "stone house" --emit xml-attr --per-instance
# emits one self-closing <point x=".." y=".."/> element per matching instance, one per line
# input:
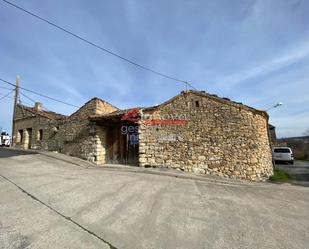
<point x="193" y="131"/>
<point x="35" y="128"/>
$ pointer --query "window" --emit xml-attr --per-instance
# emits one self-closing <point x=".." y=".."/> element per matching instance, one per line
<point x="282" y="150"/>
<point x="197" y="103"/>
<point x="40" y="134"/>
<point x="20" y="136"/>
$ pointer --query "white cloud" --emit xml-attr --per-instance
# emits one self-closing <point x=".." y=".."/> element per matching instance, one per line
<point x="269" y="66"/>
<point x="69" y="89"/>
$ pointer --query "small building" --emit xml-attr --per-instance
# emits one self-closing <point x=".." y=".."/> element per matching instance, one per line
<point x="75" y="135"/>
<point x="272" y="135"/>
<point x="193" y="131"/>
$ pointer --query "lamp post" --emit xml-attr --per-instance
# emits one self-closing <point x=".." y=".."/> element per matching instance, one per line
<point x="275" y="106"/>
<point x="272" y="142"/>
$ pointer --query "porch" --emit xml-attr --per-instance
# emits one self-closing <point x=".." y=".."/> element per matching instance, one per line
<point x="120" y="139"/>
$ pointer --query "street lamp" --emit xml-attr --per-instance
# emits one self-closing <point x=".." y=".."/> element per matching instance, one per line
<point x="275" y="106"/>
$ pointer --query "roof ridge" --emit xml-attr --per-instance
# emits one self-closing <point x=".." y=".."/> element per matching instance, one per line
<point x="227" y="101"/>
<point x="43" y="113"/>
<point x="93" y="99"/>
<point x="215" y="97"/>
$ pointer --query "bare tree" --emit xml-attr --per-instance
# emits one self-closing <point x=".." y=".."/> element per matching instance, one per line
<point x="306" y="133"/>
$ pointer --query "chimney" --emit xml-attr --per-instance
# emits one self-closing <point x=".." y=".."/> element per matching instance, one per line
<point x="38" y="106"/>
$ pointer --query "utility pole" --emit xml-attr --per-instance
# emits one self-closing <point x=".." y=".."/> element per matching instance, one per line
<point x="15" y="107"/>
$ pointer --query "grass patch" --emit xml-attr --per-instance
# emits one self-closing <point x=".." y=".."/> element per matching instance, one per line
<point x="280" y="176"/>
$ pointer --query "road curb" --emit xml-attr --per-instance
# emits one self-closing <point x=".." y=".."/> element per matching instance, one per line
<point x="133" y="169"/>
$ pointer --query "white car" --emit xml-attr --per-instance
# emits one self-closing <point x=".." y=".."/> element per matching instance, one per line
<point x="283" y="154"/>
<point x="5" y="139"/>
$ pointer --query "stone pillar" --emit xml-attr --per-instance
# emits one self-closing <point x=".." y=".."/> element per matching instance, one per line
<point x="100" y="145"/>
<point x="142" y="160"/>
<point x="16" y="138"/>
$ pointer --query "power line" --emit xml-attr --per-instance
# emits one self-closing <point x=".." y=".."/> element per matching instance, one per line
<point x="23" y="102"/>
<point x="6" y="95"/>
<point x="39" y="94"/>
<point x="19" y="96"/>
<point x="27" y="97"/>
<point x="1" y="94"/>
<point x="2" y="87"/>
<point x="100" y="47"/>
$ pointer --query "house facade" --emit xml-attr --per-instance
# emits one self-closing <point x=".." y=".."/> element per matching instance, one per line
<point x="194" y="131"/>
<point x="75" y="135"/>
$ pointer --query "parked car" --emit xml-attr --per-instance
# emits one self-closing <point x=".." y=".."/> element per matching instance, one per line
<point x="5" y="139"/>
<point x="283" y="154"/>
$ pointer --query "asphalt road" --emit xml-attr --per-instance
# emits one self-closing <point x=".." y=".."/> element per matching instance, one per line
<point x="49" y="203"/>
<point x="299" y="172"/>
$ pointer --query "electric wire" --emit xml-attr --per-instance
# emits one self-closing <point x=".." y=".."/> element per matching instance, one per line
<point x="21" y="101"/>
<point x="27" y="97"/>
<point x="7" y="88"/>
<point x="6" y="95"/>
<point x="100" y="47"/>
<point x="39" y="94"/>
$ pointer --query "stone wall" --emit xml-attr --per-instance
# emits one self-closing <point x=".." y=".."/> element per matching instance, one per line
<point x="221" y="138"/>
<point x="82" y="139"/>
<point x="73" y="135"/>
<point x="93" y="107"/>
<point x="272" y="136"/>
<point x="25" y="121"/>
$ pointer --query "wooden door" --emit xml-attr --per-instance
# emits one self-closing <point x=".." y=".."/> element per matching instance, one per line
<point x="120" y="148"/>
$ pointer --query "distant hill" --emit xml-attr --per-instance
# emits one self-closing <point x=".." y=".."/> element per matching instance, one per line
<point x="302" y="138"/>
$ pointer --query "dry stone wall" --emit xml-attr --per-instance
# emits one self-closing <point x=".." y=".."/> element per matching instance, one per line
<point x="74" y="135"/>
<point x="220" y="138"/>
<point x="93" y="107"/>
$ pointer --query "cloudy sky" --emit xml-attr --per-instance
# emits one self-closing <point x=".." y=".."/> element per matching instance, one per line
<point x="252" y="51"/>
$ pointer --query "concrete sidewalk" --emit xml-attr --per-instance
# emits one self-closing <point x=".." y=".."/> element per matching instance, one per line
<point x="50" y="203"/>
